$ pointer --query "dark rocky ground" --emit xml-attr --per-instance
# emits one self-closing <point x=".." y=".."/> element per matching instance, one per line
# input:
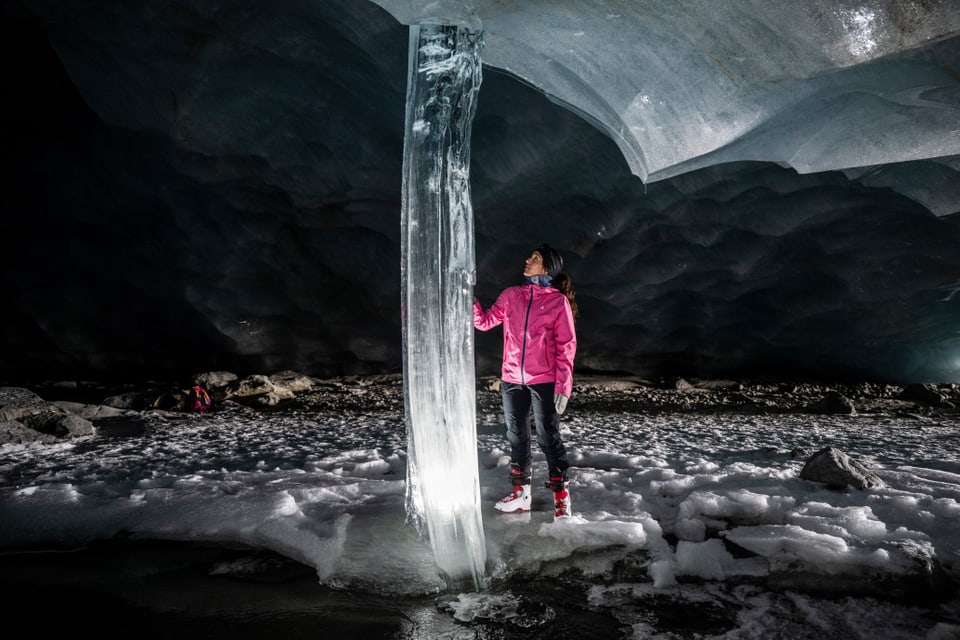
<point x="760" y="397"/>
<point x="635" y="394"/>
<point x="52" y="411"/>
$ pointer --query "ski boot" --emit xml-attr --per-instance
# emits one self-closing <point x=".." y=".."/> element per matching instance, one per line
<point x="519" y="497"/>
<point x="561" y="497"/>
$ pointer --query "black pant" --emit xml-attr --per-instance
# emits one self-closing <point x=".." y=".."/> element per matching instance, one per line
<point x="518" y="400"/>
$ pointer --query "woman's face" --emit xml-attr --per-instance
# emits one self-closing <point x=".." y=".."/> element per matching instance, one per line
<point x="534" y="265"/>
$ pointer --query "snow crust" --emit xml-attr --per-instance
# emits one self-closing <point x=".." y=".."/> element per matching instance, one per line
<point x="670" y="506"/>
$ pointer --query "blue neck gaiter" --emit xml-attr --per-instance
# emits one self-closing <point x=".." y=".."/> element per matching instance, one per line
<point x="543" y="281"/>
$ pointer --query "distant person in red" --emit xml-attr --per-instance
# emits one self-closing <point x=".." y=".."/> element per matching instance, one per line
<point x="200" y="399"/>
<point x="539" y="344"/>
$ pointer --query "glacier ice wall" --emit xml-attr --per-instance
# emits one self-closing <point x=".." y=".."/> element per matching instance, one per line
<point x="816" y="86"/>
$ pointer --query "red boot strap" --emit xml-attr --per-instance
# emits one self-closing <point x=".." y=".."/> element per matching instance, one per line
<point x="519" y="478"/>
<point x="555" y="484"/>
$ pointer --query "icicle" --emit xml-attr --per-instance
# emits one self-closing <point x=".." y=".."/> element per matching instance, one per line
<point x="437" y="273"/>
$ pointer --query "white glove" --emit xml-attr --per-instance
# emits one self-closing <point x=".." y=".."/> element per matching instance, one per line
<point x="560" y="402"/>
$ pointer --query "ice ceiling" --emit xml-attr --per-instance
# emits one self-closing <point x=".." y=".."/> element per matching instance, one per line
<point x="738" y="187"/>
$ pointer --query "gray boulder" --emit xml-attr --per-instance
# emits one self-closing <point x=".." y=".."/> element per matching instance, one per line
<point x="269" y="390"/>
<point x="837" y="470"/>
<point x="215" y="379"/>
<point x="833" y="403"/>
<point x="925" y="394"/>
<point x="26" y="417"/>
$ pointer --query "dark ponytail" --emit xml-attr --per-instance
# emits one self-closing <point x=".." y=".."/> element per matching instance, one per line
<point x="565" y="285"/>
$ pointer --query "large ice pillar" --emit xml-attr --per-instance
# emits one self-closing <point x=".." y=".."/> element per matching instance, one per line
<point x="437" y="273"/>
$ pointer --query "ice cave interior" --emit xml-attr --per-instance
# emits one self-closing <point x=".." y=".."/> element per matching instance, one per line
<point x="738" y="188"/>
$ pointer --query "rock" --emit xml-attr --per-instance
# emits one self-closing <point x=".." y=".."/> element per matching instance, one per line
<point x="492" y="384"/>
<point x="167" y="400"/>
<point x="16" y="402"/>
<point x="92" y="412"/>
<point x="925" y="394"/>
<point x="837" y="470"/>
<point x="131" y="401"/>
<point x="252" y="385"/>
<point x="26" y="417"/>
<point x="833" y="403"/>
<point x="58" y="423"/>
<point x="292" y="381"/>
<point x="214" y="379"/>
<point x="154" y="398"/>
<point x="737" y="398"/>
<point x="258" y="390"/>
<point x="14" y="432"/>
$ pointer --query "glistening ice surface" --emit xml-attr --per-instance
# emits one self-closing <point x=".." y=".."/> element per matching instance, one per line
<point x="437" y="274"/>
<point x="680" y="86"/>
<point x="687" y="520"/>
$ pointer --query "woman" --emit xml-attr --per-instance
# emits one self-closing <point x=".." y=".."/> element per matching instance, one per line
<point x="539" y="343"/>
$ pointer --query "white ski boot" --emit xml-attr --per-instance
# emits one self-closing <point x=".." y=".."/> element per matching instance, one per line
<point x="561" y="497"/>
<point x="519" y="497"/>
<point x="517" y="500"/>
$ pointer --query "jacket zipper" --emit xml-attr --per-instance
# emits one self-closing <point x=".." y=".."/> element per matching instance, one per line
<point x="523" y="352"/>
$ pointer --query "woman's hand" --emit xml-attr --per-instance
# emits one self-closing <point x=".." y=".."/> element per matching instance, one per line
<point x="560" y="402"/>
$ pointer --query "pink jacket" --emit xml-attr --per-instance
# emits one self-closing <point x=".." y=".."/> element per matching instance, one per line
<point x="539" y="341"/>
